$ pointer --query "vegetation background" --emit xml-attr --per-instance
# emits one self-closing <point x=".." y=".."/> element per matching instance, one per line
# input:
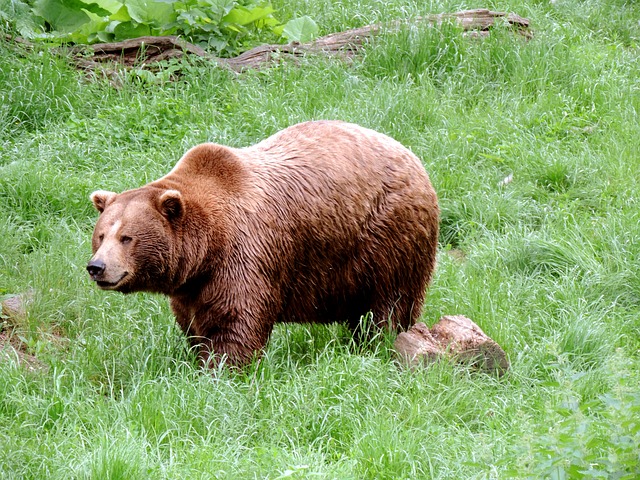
<point x="548" y="264"/>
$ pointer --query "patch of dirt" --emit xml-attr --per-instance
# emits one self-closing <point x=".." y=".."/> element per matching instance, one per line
<point x="13" y="313"/>
<point x="12" y="349"/>
<point x="457" y="254"/>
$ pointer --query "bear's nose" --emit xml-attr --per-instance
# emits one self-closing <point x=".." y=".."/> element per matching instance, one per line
<point x="96" y="268"/>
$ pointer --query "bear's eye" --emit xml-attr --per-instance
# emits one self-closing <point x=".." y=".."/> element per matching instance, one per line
<point x="101" y="237"/>
<point x="124" y="239"/>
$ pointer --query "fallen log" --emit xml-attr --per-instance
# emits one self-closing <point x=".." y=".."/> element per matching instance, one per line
<point x="455" y="337"/>
<point x="148" y="50"/>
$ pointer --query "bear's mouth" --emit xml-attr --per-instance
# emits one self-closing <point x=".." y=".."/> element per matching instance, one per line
<point x="111" y="285"/>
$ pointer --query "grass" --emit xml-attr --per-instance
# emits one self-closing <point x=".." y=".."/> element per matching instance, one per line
<point x="546" y="264"/>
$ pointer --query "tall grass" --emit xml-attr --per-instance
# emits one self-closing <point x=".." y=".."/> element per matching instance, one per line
<point x="547" y="263"/>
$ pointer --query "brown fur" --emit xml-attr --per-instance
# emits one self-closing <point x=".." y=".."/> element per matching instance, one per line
<point x="322" y="222"/>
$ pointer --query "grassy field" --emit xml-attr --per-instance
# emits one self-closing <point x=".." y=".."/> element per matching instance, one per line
<point x="547" y="264"/>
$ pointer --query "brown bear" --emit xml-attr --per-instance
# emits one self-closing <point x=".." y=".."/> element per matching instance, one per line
<point x="324" y="221"/>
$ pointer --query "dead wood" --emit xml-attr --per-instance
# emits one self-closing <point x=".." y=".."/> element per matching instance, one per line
<point x="135" y="51"/>
<point x="455" y="337"/>
<point x="148" y="50"/>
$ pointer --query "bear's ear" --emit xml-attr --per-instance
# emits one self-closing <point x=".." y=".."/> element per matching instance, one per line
<point x="101" y="198"/>
<point x="171" y="204"/>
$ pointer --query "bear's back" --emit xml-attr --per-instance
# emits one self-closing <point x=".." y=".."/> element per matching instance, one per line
<point x="336" y="175"/>
<point x="352" y="150"/>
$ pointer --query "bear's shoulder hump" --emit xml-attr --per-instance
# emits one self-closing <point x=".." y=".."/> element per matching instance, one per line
<point x="209" y="160"/>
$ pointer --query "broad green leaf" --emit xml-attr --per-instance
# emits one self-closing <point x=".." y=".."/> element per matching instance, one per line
<point x="277" y="29"/>
<point x="269" y="22"/>
<point x="127" y="30"/>
<point x="218" y="44"/>
<point x="188" y="17"/>
<point x="245" y="16"/>
<point x="150" y="12"/>
<point x="62" y="15"/>
<point x="302" y="29"/>
<point x="88" y="30"/>
<point x="110" y="29"/>
<point x="90" y="6"/>
<point x="122" y="15"/>
<point x="218" y="7"/>
<point x="101" y="37"/>
<point x="112" y="6"/>
<point x="19" y="12"/>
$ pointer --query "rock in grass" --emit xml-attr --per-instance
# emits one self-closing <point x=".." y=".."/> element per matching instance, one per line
<point x="455" y="337"/>
<point x="15" y="308"/>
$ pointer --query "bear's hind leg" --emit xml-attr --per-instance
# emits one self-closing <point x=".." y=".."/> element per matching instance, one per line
<point x="397" y="314"/>
<point x="384" y="316"/>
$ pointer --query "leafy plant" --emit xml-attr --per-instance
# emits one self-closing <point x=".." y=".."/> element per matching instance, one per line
<point x="223" y="26"/>
<point x="302" y="29"/>
<point x="18" y="14"/>
<point x="593" y="439"/>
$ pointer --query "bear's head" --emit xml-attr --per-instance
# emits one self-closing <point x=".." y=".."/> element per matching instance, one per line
<point x="134" y="241"/>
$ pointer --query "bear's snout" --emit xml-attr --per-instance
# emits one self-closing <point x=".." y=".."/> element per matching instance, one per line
<point x="109" y="277"/>
<point x="96" y="268"/>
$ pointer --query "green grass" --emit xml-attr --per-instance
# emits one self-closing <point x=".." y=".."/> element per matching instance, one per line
<point x="548" y="264"/>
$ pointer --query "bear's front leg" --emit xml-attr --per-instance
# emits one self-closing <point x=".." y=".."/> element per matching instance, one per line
<point x="234" y="336"/>
<point x="185" y="319"/>
<point x="225" y="351"/>
<point x="234" y="340"/>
